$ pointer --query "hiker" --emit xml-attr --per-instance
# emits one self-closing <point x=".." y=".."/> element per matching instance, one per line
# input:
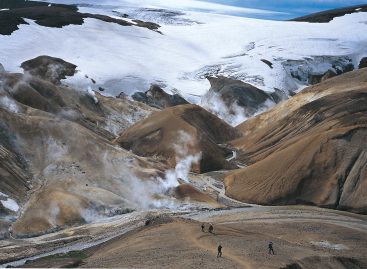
<point x="210" y="230"/>
<point x="271" y="250"/>
<point x="202" y="227"/>
<point x="219" y="251"/>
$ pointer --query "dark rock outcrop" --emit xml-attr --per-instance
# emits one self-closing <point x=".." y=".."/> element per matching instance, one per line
<point x="329" y="15"/>
<point x="311" y="71"/>
<point x="363" y="63"/>
<point x="122" y="95"/>
<point x="52" y="15"/>
<point x="158" y="98"/>
<point x="235" y="93"/>
<point x="268" y="63"/>
<point x="49" y="68"/>
<point x="279" y="95"/>
<point x="328" y="74"/>
<point x="314" y="78"/>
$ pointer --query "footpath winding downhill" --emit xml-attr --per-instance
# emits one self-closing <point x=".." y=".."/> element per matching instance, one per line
<point x="298" y="233"/>
<point x="306" y="236"/>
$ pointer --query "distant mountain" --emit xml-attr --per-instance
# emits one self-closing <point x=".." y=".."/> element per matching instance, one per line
<point x="327" y="16"/>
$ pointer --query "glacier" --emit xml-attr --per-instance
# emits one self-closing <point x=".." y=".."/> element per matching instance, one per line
<point x="200" y="44"/>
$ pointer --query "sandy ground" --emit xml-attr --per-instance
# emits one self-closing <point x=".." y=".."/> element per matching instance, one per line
<point x="176" y="240"/>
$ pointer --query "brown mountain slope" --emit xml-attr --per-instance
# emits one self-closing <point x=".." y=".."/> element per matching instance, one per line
<point x="311" y="152"/>
<point x="103" y="115"/>
<point x="57" y="161"/>
<point x="77" y="175"/>
<point x="179" y="131"/>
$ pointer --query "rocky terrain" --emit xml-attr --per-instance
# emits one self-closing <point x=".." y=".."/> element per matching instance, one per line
<point x="72" y="158"/>
<point x="158" y="98"/>
<point x="236" y="101"/>
<point x="105" y="171"/>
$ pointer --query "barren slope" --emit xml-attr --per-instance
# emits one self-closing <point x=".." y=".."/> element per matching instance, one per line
<point x="177" y="132"/>
<point x="173" y="242"/>
<point x="310" y="149"/>
<point x="58" y="166"/>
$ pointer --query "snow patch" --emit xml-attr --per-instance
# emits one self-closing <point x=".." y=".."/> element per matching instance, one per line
<point x="184" y="54"/>
<point x="10" y="204"/>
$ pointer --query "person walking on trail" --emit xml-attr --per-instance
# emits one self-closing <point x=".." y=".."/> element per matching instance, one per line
<point x="271" y="250"/>
<point x="211" y="228"/>
<point x="219" y="251"/>
<point x="202" y="227"/>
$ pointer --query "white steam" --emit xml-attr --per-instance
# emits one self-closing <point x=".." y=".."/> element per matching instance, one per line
<point x="111" y="186"/>
<point x="55" y="150"/>
<point x="184" y="161"/>
<point x="153" y="193"/>
<point x="9" y="104"/>
<point x="91" y="216"/>
<point x="92" y="94"/>
<point x="54" y="213"/>
<point x="24" y="81"/>
<point x="233" y="114"/>
<point x="69" y="114"/>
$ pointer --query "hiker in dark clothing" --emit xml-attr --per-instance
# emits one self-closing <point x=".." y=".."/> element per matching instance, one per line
<point x="219" y="251"/>
<point x="271" y="250"/>
<point x="202" y="227"/>
<point x="211" y="228"/>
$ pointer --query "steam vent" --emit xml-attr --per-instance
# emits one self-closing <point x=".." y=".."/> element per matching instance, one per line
<point x="183" y="134"/>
